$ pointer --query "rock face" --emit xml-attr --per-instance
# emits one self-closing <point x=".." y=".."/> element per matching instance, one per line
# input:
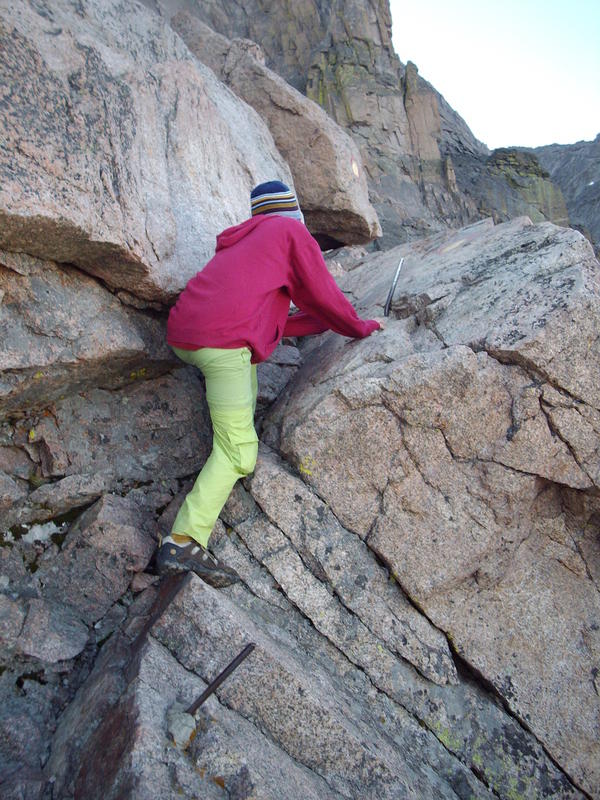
<point x="50" y="622"/>
<point x="105" y="441"/>
<point x="395" y="117"/>
<point x="418" y="545"/>
<point x="98" y="557"/>
<point x="459" y="467"/>
<point x="424" y="502"/>
<point x="331" y="184"/>
<point x="357" y="78"/>
<point x="253" y="738"/>
<point x="576" y="169"/>
<point x="61" y="332"/>
<point x="153" y="432"/>
<point x="510" y="182"/>
<point x="424" y="167"/>
<point x="123" y="154"/>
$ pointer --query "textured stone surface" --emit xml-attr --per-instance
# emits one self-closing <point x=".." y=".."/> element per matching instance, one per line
<point x="418" y="547"/>
<point x="340" y="55"/>
<point x="131" y="433"/>
<point x="274" y="374"/>
<point x="121" y="712"/>
<point x="433" y="442"/>
<point x="331" y="184"/>
<point x="530" y="182"/>
<point x="54" y="621"/>
<point x="343" y="562"/>
<point x="270" y="680"/>
<point x="121" y="153"/>
<point x="20" y="750"/>
<point x="266" y="692"/>
<point x="13" y="616"/>
<point x="181" y="726"/>
<point x="424" y="167"/>
<point x="285" y="723"/>
<point x="11" y="491"/>
<point x="101" y="552"/>
<point x="461" y="717"/>
<point x="428" y="512"/>
<point x="152" y="431"/>
<point x="15" y="581"/>
<point x="52" y="631"/>
<point x="576" y="169"/>
<point x="61" y="332"/>
<point x="149" y="432"/>
<point x="507" y="183"/>
<point x="36" y="682"/>
<point x="24" y="785"/>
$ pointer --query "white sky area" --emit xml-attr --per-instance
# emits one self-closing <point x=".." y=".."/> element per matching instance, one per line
<point x="519" y="73"/>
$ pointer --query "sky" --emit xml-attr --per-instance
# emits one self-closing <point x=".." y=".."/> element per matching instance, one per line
<point x="519" y="73"/>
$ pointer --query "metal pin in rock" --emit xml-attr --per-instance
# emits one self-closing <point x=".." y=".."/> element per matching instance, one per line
<point x="220" y="678"/>
<point x="388" y="302"/>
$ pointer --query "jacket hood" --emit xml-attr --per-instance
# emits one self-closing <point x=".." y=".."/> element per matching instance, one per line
<point x="231" y="236"/>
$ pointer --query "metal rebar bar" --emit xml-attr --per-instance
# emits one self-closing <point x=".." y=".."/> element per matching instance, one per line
<point x="388" y="302"/>
<point x="220" y="678"/>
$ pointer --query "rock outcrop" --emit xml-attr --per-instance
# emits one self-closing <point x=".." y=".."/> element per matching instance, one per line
<point x="576" y="169"/>
<point x="471" y="431"/>
<point x="418" y="545"/>
<point x="509" y="183"/>
<point x="62" y="332"/>
<point x="121" y="153"/>
<point x="341" y="56"/>
<point x="325" y="163"/>
<point x="425" y="169"/>
<point x="418" y="553"/>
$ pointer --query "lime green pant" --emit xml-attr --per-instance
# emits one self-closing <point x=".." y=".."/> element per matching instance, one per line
<point x="231" y="387"/>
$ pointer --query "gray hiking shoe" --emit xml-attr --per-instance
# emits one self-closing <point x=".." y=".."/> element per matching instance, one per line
<point x="173" y="558"/>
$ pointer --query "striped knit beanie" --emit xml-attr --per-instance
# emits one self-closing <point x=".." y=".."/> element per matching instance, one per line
<point x="274" y="197"/>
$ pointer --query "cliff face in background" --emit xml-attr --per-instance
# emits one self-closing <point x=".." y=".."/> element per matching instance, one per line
<point x="331" y="184"/>
<point x="576" y="169"/>
<point x="418" y="546"/>
<point x="424" y="167"/>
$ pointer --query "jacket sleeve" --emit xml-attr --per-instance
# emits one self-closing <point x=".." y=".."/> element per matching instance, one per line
<point x="314" y="291"/>
<point x="302" y="324"/>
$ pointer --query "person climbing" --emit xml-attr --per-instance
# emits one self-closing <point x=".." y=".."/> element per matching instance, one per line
<point x="230" y="317"/>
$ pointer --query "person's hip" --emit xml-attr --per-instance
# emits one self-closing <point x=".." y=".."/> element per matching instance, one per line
<point x="227" y="372"/>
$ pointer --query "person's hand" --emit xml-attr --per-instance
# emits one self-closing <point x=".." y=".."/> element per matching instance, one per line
<point x="382" y="323"/>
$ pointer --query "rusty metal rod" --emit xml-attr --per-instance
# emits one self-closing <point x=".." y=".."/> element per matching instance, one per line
<point x="220" y="678"/>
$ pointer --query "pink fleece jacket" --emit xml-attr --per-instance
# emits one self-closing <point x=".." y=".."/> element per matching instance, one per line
<point x="242" y="296"/>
